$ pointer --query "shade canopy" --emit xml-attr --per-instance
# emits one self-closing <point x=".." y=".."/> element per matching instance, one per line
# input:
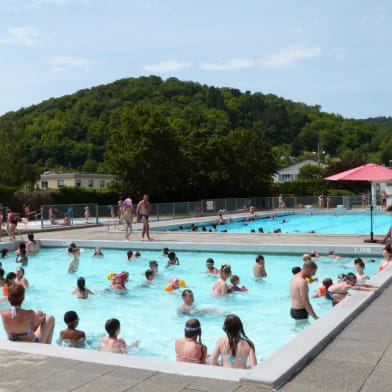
<point x="368" y="172"/>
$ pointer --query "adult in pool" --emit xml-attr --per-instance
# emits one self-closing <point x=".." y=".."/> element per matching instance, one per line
<point x="32" y="246"/>
<point x="190" y="349"/>
<point x="299" y="292"/>
<point x="25" y="325"/>
<point x="220" y="287"/>
<point x="236" y="350"/>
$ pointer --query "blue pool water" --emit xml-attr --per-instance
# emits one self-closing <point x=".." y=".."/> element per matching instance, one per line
<point x="149" y="313"/>
<point x="326" y="223"/>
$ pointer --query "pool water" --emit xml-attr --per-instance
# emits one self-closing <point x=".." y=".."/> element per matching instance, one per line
<point x="149" y="314"/>
<point x="325" y="223"/>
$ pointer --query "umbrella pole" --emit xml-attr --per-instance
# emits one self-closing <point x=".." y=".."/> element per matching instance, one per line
<point x="371" y="226"/>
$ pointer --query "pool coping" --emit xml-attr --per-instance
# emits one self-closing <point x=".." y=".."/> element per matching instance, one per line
<point x="274" y="371"/>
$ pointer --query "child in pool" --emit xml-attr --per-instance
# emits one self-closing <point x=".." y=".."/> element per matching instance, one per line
<point x="149" y="276"/>
<point x="235" y="282"/>
<point x="112" y="343"/>
<point x="322" y="290"/>
<point x="71" y="336"/>
<point x="81" y="291"/>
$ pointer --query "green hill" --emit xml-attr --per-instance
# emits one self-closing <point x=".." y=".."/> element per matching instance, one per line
<point x="178" y="139"/>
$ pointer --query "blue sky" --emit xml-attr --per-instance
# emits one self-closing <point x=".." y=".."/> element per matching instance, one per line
<point x="333" y="53"/>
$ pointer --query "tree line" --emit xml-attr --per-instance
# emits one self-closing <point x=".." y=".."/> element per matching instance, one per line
<point x="179" y="140"/>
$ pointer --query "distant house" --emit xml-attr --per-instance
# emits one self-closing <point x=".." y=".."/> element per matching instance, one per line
<point x="55" y="180"/>
<point x="290" y="173"/>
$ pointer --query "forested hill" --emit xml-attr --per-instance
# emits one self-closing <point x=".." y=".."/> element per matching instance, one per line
<point x="382" y="122"/>
<point x="183" y="139"/>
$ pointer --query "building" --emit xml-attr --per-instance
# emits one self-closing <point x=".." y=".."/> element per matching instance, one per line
<point x="290" y="173"/>
<point x="55" y="180"/>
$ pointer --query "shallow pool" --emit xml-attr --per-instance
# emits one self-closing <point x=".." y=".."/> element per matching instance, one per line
<point x="323" y="223"/>
<point x="149" y="313"/>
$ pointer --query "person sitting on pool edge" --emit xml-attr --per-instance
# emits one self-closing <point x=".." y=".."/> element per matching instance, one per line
<point x="191" y="349"/>
<point x="388" y="236"/>
<point x="112" y="343"/>
<point x="299" y="292"/>
<point x="26" y="325"/>
<point x="72" y="337"/>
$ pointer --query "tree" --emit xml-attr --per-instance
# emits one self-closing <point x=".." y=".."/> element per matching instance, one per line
<point x="310" y="172"/>
<point x="144" y="153"/>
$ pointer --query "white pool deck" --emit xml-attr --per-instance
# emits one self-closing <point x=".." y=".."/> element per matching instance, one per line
<point x="348" y="349"/>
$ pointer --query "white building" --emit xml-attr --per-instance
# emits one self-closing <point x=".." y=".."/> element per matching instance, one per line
<point x="290" y="173"/>
<point x="55" y="180"/>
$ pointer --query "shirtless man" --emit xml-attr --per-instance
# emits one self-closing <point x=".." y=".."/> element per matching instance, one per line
<point x="127" y="219"/>
<point x="299" y="292"/>
<point x="188" y="307"/>
<point x="259" y="267"/>
<point x="143" y="211"/>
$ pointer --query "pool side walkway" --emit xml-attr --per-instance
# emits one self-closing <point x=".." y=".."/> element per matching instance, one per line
<point x="358" y="359"/>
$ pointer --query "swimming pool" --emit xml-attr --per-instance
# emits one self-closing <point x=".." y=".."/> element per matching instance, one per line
<point x="338" y="223"/>
<point x="149" y="313"/>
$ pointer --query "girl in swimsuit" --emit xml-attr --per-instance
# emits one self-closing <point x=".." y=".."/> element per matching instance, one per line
<point x="81" y="291"/>
<point x="190" y="349"/>
<point x="220" y="286"/>
<point x="25" y="325"/>
<point x="236" y="349"/>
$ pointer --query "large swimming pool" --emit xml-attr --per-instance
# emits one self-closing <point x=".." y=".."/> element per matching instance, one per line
<point x="337" y="223"/>
<point x="149" y="313"/>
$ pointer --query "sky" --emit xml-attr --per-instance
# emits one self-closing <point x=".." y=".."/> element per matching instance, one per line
<point x="336" y="54"/>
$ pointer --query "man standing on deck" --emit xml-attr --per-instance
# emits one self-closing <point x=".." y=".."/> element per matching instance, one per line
<point x="299" y="292"/>
<point x="143" y="211"/>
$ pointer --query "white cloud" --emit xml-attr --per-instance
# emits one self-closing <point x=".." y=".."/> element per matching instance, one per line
<point x="282" y="59"/>
<point x="235" y="63"/>
<point x="62" y="63"/>
<point x="24" y="35"/>
<point x="167" y="66"/>
<point x="288" y="56"/>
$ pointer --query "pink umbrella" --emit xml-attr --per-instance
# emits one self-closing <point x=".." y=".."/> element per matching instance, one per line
<point x="369" y="172"/>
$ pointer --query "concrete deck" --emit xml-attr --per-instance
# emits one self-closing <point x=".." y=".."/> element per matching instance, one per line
<point x="358" y="359"/>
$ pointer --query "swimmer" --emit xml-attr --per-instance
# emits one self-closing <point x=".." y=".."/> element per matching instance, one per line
<point x="9" y="282"/>
<point x="4" y="253"/>
<point x="295" y="270"/>
<point x="210" y="267"/>
<point x="173" y="259"/>
<point x="314" y="254"/>
<point x="188" y="307"/>
<point x="32" y="246"/>
<point x="259" y="267"/>
<point x="21" y="257"/>
<point x="154" y="267"/>
<point x="118" y="282"/>
<point x="74" y="263"/>
<point x="260" y="230"/>
<point x="338" y="291"/>
<point x="71" y="336"/>
<point x="149" y="274"/>
<point x="2" y="279"/>
<point x="81" y="292"/>
<point x="165" y="251"/>
<point x="387" y="261"/>
<point x="332" y="255"/>
<point x="112" y="343"/>
<point x="97" y="252"/>
<point x="190" y="349"/>
<point x="131" y="255"/>
<point x="235" y="282"/>
<point x="20" y="279"/>
<point x="220" y="287"/>
<point x="360" y="268"/>
<point x="322" y="291"/>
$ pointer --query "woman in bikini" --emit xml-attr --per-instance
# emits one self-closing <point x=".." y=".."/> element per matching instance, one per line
<point x="236" y="350"/>
<point x="387" y="254"/>
<point x="25" y="325"/>
<point x="220" y="287"/>
<point x="190" y="349"/>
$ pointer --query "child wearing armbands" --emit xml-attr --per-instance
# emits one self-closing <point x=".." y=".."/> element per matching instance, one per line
<point x="322" y="290"/>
